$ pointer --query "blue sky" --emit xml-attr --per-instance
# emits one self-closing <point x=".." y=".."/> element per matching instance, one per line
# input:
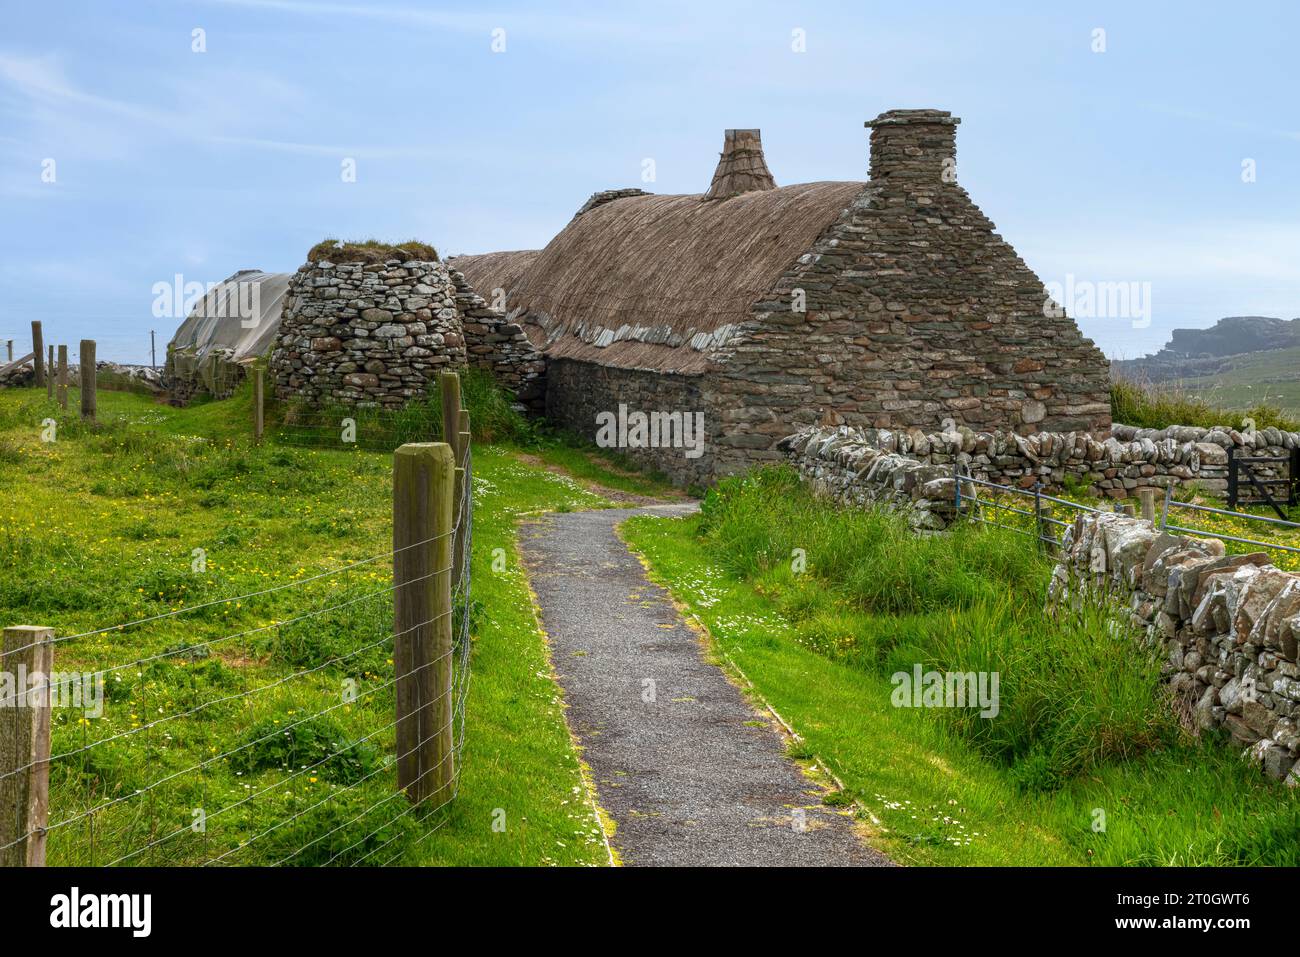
<point x="1120" y="166"/>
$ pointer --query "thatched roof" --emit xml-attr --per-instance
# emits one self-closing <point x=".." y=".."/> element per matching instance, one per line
<point x="661" y="282"/>
<point x="489" y="271"/>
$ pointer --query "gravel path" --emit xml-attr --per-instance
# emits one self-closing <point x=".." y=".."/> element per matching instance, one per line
<point x="689" y="772"/>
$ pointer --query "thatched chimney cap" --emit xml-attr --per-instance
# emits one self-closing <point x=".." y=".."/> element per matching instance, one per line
<point x="741" y="167"/>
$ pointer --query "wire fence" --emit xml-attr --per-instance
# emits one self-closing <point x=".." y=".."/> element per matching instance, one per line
<point x="266" y="745"/>
<point x="1044" y="527"/>
<point x="365" y="429"/>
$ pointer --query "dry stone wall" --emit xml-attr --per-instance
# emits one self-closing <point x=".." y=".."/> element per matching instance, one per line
<point x="501" y="347"/>
<point x="366" y="334"/>
<point x="1117" y="466"/>
<point x="1228" y="626"/>
<point x="840" y="464"/>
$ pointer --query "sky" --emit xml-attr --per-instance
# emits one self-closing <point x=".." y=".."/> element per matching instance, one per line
<point x="1155" y="145"/>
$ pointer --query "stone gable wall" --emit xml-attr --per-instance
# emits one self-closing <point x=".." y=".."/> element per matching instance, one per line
<point x="916" y="311"/>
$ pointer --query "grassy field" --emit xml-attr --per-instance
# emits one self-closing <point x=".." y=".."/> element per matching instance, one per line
<point x="101" y="527"/>
<point x="1084" y="762"/>
<point x="1257" y="378"/>
<point x="1210" y="401"/>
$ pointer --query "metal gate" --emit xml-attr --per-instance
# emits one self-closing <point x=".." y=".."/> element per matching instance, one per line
<point x="1246" y="486"/>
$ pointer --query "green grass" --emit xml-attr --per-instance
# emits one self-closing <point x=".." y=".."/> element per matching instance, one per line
<point x="1202" y="403"/>
<point x="493" y="419"/>
<point x="600" y="466"/>
<point x="1269" y="378"/>
<point x="370" y="251"/>
<point x="1083" y="728"/>
<point x="100" y="527"/>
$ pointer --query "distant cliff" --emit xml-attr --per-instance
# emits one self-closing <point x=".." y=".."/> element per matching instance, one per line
<point x="1198" y="352"/>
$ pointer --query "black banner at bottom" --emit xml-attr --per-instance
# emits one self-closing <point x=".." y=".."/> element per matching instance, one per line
<point x="336" y="907"/>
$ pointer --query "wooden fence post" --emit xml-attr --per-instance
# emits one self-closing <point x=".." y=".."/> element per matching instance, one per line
<point x="27" y="660"/>
<point x="1148" y="498"/>
<point x="259" y="406"/>
<point x="38" y="352"/>
<point x="1295" y="476"/>
<point x="449" y="383"/>
<point x="87" y="370"/>
<point x="423" y="479"/>
<point x="9" y="343"/>
<point x="459" y="509"/>
<point x="49" y="373"/>
<point x="63" y="377"/>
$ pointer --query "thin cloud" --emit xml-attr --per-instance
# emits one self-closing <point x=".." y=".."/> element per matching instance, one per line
<point x="551" y="25"/>
<point x="43" y="81"/>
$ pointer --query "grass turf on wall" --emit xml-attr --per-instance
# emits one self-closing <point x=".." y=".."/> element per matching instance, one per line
<point x="1084" y="737"/>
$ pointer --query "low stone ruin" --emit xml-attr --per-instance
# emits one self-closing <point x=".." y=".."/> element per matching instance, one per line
<point x="375" y="334"/>
<point x="147" y="378"/>
<point x="366" y="334"/>
<point x="19" y="377"/>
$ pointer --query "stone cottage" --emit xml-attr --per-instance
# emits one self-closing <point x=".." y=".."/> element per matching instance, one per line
<point x="760" y="309"/>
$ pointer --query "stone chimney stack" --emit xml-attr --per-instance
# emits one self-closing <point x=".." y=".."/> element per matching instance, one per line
<point x="912" y="149"/>
<point x="741" y="167"/>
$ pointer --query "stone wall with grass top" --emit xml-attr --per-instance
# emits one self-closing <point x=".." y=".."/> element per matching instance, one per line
<point x="366" y="333"/>
<point x="1228" y="626"/>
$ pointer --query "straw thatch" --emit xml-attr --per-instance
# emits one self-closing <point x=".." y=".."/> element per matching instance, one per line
<point x="741" y="166"/>
<point x="489" y="271"/>
<point x="660" y="282"/>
